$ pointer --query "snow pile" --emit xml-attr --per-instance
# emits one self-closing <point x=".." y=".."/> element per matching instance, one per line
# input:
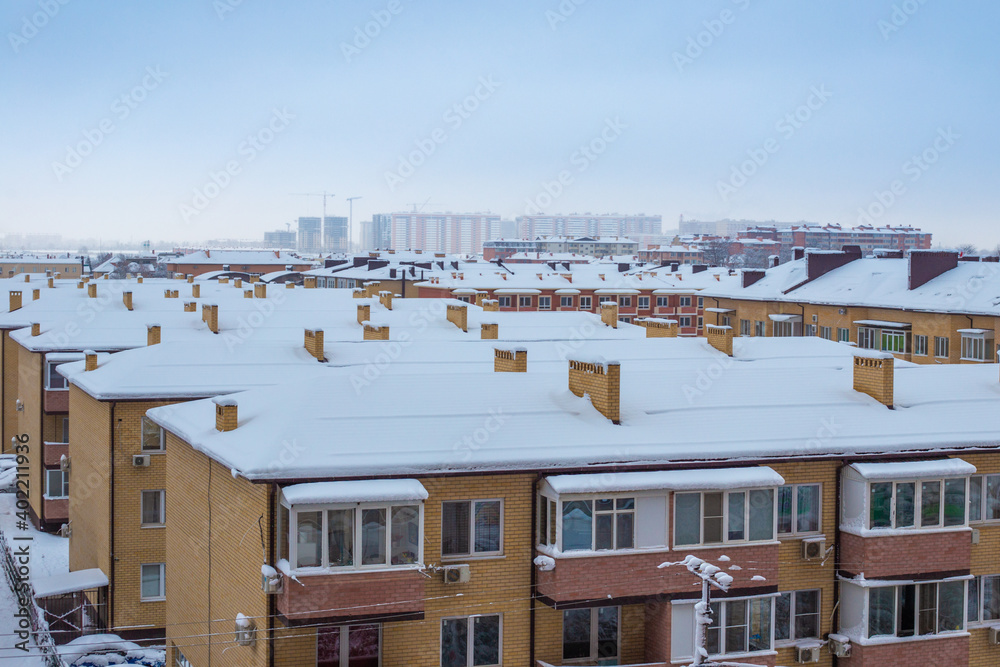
<point x="106" y="649"/>
<point x="8" y="471"/>
<point x="544" y="563"/>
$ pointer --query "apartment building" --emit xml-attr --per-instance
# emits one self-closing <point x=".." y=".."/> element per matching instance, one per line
<point x="929" y="307"/>
<point x="640" y="227"/>
<point x="63" y="264"/>
<point x="443" y="232"/>
<point x="832" y="237"/>
<point x="682" y="254"/>
<point x="528" y="526"/>
<point x="243" y="261"/>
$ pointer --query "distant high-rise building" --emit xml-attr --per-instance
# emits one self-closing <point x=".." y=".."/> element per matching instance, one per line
<point x="726" y="228"/>
<point x="443" y="232"/>
<point x="310" y="235"/>
<point x="640" y="227"/>
<point x="380" y="235"/>
<point x="280" y="239"/>
<point x="335" y="237"/>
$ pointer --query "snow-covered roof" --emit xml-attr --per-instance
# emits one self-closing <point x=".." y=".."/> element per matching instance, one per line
<point x="371" y="490"/>
<point x="239" y="257"/>
<point x="69" y="582"/>
<point x="676" y="480"/>
<point x="914" y="469"/>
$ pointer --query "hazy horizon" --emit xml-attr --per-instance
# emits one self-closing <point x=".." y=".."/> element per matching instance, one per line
<point x="204" y="119"/>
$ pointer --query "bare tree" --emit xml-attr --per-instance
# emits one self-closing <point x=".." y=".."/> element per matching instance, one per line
<point x="716" y="252"/>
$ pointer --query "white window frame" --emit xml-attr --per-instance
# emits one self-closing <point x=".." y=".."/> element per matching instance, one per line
<point x="889" y="335"/>
<point x="625" y="301"/>
<point x="50" y="371"/>
<point x="917" y="504"/>
<point x="701" y="302"/>
<point x="795" y="532"/>
<point x="643" y="303"/>
<point x="545" y="303"/>
<point x="984" y="481"/>
<point x="471" y="637"/>
<point x="345" y="646"/>
<point x="977" y="347"/>
<point x="63" y="485"/>
<point x="725" y="518"/>
<point x="503" y="301"/>
<point x="826" y="333"/>
<point x="565" y="301"/>
<point x="793" y="613"/>
<point x="524" y="301"/>
<point x="323" y="509"/>
<point x="163" y="582"/>
<point x="593" y="520"/>
<point x="745" y="328"/>
<point x="163" y="508"/>
<point x="978" y="582"/>
<point x="594" y="641"/>
<point x="916" y="611"/>
<point x="586" y="302"/>
<point x="759" y="328"/>
<point x="685" y="302"/>
<point x="663" y="302"/>
<point x="685" y="321"/>
<point x="472" y="553"/>
<point x="843" y="335"/>
<point x="809" y="330"/>
<point x="942" y="344"/>
<point x="920" y="345"/>
<point x="722" y="628"/>
<point x="162" y="436"/>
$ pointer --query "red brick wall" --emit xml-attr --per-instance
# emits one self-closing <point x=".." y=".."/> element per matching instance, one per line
<point x="658" y="631"/>
<point x="52" y="453"/>
<point x="351" y="595"/>
<point x="944" y="652"/>
<point x="56" y="401"/>
<point x="637" y="574"/>
<point x="905" y="554"/>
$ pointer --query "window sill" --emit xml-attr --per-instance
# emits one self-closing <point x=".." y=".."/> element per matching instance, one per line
<point x="978" y="361"/>
<point x="371" y="569"/>
<point x="581" y="553"/>
<point x="792" y="643"/>
<point x="152" y="451"/>
<point x="726" y="657"/>
<point x="883" y="640"/>
<point x="791" y="537"/>
<point x="901" y="532"/>
<point x="153" y="525"/>
<point x="726" y="545"/>
<point x="163" y="599"/>
<point x="463" y="559"/>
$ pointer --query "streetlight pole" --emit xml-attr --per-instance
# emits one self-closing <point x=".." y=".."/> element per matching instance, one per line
<point x="350" y="221"/>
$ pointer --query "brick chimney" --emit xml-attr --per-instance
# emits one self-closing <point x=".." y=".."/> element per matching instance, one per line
<point x="36" y="294"/>
<point x="359" y="293"/>
<point x="52" y="282"/>
<point x="152" y="334"/>
<point x="15" y="300"/>
<point x="458" y="315"/>
<point x="248" y="294"/>
<point x="314" y="343"/>
<point x="309" y="282"/>
<point x="374" y="332"/>
<point x="926" y="265"/>
<point x="190" y="306"/>
<point x="480" y="296"/>
<point x="27" y="277"/>
<point x="90" y="363"/>
<point x="196" y="291"/>
<point x="260" y="290"/>
<point x="609" y="314"/>
<point x="92" y="290"/>
<point x="80" y="285"/>
<point x="237" y="282"/>
<point x="750" y="276"/>
<point x="226" y="415"/>
<point x="190" y="277"/>
<point x="873" y="375"/>
<point x="36" y="329"/>
<point x="489" y="331"/>
<point x="512" y="360"/>
<point x="720" y="337"/>
<point x="658" y="328"/>
<point x="491" y="305"/>
<point x="213" y="318"/>
<point x="385" y="298"/>
<point x="254" y="279"/>
<point x="127" y="300"/>
<point x="364" y="312"/>
<point x="139" y="280"/>
<point x="224" y="280"/>
<point x="602" y="382"/>
<point x="372" y="288"/>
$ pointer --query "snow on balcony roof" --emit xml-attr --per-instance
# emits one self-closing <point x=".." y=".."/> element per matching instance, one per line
<point x="372" y="490"/>
<point x="69" y="582"/>
<point x="517" y="290"/>
<point x="886" y="324"/>
<point x="779" y="317"/>
<point x="671" y="480"/>
<point x="977" y="332"/>
<point x="914" y="469"/>
<point x="720" y="310"/>
<point x="567" y="291"/>
<point x="616" y="290"/>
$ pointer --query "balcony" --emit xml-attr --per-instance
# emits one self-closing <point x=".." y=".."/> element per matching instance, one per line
<point x="351" y="597"/>
<point x="896" y="555"/>
<point x="56" y="400"/>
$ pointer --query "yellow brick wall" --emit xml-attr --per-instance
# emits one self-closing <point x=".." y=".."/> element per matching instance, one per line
<point x="603" y="386"/>
<point x="30" y="381"/>
<point x="459" y="316"/>
<point x="89" y="488"/>
<point x="507" y="361"/>
<point x="548" y="634"/>
<point x="874" y="377"/>
<point x="720" y="339"/>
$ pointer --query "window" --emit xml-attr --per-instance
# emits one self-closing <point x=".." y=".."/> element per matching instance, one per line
<point x="685" y="301"/>
<point x="348" y="645"/>
<point x="843" y="335"/>
<point x="826" y="333"/>
<point x="726" y="321"/>
<point x="599" y="524"/>
<point x="723" y="517"/>
<point x="471" y="640"/>
<point x="53" y="380"/>
<point x="56" y="484"/>
<point x="544" y="302"/>
<point x="662" y="301"/>
<point x="744" y="327"/>
<point x="796" y="615"/>
<point x="524" y="302"/>
<point x="685" y="321"/>
<point x="644" y="303"/>
<point x="605" y="299"/>
<point x="920" y="345"/>
<point x="809" y="330"/>
<point x="977" y="347"/>
<point x="471" y="527"/>
<point x="591" y="634"/>
<point x="63" y="434"/>
<point x="566" y="301"/>
<point x="701" y="322"/>
<point x="701" y="301"/>
<point x="739" y="626"/>
<point x="359" y="536"/>
<point x="941" y="347"/>
<point x="624" y="301"/>
<point x="547" y="520"/>
<point x="585" y="302"/>
<point x="799" y="509"/>
<point x="984" y="498"/>
<point x="866" y="338"/>
<point x="152" y="581"/>
<point x="154" y="511"/>
<point x="905" y="504"/>
<point x="153" y="437"/>
<point x="759" y="328"/>
<point x="504" y="301"/>
<point x="984" y="598"/>
<point x="894" y="341"/>
<point x="916" y="609"/>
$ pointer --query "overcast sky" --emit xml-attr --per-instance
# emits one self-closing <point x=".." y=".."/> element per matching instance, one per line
<point x="197" y="119"/>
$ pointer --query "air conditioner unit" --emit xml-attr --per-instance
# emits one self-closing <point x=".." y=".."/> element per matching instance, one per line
<point x="457" y="574"/>
<point x="64" y="463"/>
<point x="270" y="585"/>
<point x="140" y="460"/>
<point x="995" y="635"/>
<point x="815" y="318"/>
<point x="806" y="654"/>
<point x="813" y="548"/>
<point x="840" y="646"/>
<point x="975" y="536"/>
<point x="246" y="631"/>
<point x="842" y="311"/>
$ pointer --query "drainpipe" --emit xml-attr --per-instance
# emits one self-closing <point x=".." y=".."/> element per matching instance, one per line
<point x="111" y="515"/>
<point x="534" y="571"/>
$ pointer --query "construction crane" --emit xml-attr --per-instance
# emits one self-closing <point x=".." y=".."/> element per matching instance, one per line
<point x="418" y="207"/>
